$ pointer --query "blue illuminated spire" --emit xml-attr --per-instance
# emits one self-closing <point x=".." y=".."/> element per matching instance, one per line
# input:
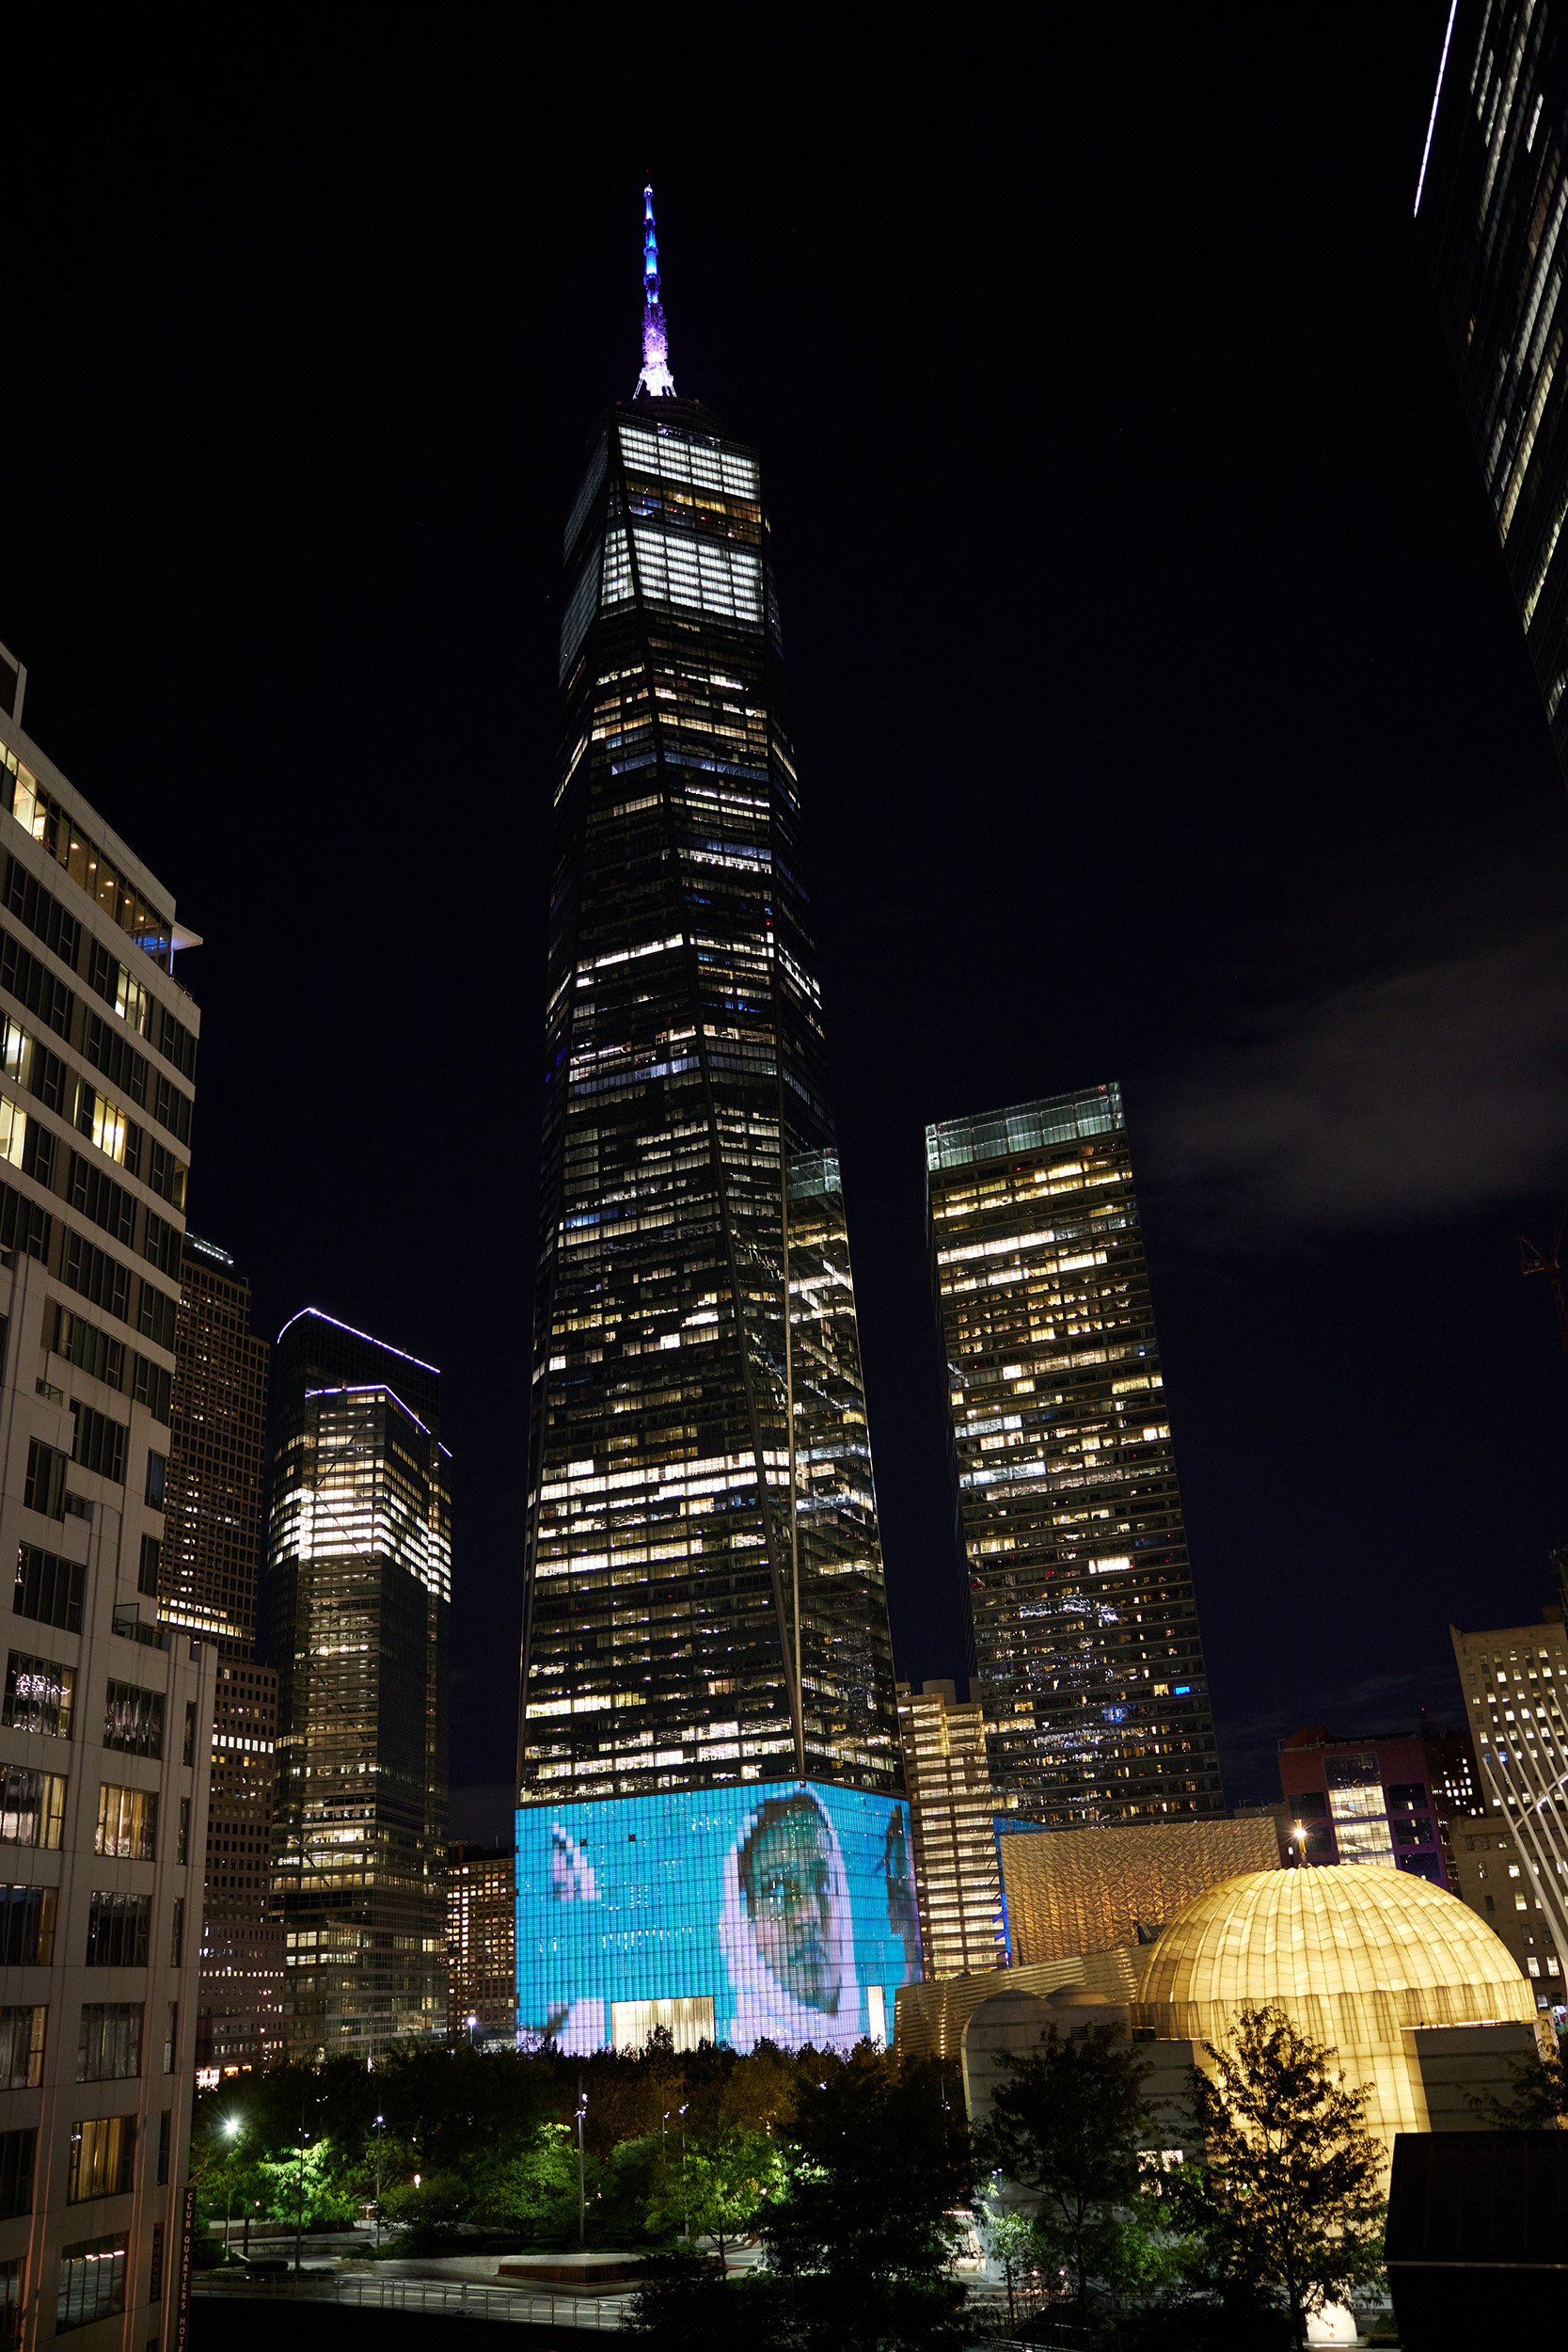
<point x="655" y="378"/>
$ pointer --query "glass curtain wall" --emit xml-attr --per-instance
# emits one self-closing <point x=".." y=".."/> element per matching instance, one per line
<point x="361" y="1553"/>
<point x="1068" y="1516"/>
<point x="684" y="1047"/>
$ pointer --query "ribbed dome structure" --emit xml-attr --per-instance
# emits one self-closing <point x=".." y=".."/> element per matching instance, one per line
<point x="1353" y="1953"/>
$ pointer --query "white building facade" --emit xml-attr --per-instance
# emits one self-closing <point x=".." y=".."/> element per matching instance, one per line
<point x="104" y="1722"/>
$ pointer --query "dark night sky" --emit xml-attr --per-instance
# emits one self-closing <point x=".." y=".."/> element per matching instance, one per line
<point x="1162" y="709"/>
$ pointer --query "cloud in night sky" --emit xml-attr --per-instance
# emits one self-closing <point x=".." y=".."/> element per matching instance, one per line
<point x="1421" y="1093"/>
<point x="1381" y="1703"/>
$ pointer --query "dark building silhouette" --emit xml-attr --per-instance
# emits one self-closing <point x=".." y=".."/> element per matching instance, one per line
<point x="206" y="1583"/>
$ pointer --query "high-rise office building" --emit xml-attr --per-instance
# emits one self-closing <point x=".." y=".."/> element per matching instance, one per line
<point x="240" y="2012"/>
<point x="206" y="1582"/>
<point x="708" y="1704"/>
<point x="103" y="1724"/>
<point x="217" y="1438"/>
<point x="360" y="1548"/>
<point x="1381" y="1798"/>
<point x="958" y="1879"/>
<point x="1068" y="1517"/>
<point x="482" y="1942"/>
<point x="1489" y="214"/>
<point x="1516" y="1685"/>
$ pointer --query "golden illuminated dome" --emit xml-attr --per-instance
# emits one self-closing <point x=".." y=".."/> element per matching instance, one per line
<point x="1355" y="1954"/>
<point x="1286" y="1936"/>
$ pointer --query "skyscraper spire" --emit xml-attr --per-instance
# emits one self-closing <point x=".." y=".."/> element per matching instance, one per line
<point x="655" y="378"/>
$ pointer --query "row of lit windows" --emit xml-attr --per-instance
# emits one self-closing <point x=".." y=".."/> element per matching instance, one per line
<point x="672" y="456"/>
<point x="717" y="579"/>
<point x="43" y="819"/>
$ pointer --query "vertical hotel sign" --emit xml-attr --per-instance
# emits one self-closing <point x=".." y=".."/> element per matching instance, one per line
<point x="182" y="2301"/>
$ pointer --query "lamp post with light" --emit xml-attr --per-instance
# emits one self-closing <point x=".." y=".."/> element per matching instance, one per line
<point x="231" y="2132"/>
<point x="582" y="2180"/>
<point x="299" y="2195"/>
<point x="380" y="2129"/>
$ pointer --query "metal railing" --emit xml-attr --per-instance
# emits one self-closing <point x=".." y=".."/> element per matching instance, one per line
<point x="454" y="2299"/>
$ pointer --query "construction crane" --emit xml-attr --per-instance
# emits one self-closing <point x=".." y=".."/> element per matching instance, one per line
<point x="1533" y="1261"/>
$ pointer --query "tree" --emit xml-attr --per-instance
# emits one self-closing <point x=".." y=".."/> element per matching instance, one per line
<point x="718" y="2188"/>
<point x="223" y="2167"/>
<point x="433" y="2212"/>
<point x="865" y="2234"/>
<point x="1538" y="2101"/>
<point x="1290" y="2167"/>
<point x="531" y="2187"/>
<point x="307" y="2186"/>
<point x="1014" y="2242"/>
<point x="1067" y="2123"/>
<point x="683" y="2303"/>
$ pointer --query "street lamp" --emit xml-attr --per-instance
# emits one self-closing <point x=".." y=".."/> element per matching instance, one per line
<point x="1298" y="1833"/>
<point x="230" y="2132"/>
<point x="380" y="2130"/>
<point x="472" y="2022"/>
<point x="582" y="2187"/>
<point x="299" y="2208"/>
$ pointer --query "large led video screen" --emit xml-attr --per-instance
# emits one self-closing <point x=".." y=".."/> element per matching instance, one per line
<point x="789" y="1904"/>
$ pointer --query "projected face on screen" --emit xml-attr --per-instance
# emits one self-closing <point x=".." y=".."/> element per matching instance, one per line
<point x="785" y="1873"/>
<point x="787" y="1877"/>
<point x="788" y="1908"/>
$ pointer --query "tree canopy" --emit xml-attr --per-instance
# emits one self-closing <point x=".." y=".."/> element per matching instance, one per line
<point x="1068" y="2123"/>
<point x="1292" y="2176"/>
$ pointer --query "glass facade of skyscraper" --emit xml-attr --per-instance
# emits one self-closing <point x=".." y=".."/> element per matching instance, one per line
<point x="1068" y="1519"/>
<point x="683" y="1022"/>
<point x="205" y="1580"/>
<point x="705" y="1603"/>
<point x="361" y="1556"/>
<point x="1490" y="215"/>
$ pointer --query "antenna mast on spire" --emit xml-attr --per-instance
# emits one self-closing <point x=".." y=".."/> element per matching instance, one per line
<point x="655" y="378"/>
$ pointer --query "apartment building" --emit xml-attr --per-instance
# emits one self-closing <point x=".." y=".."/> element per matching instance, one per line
<point x="103" y="1723"/>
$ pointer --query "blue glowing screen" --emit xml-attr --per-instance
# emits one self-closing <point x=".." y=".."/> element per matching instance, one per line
<point x="790" y="1904"/>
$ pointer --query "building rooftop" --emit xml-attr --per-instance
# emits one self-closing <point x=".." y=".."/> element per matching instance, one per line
<point x="1026" y="1127"/>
